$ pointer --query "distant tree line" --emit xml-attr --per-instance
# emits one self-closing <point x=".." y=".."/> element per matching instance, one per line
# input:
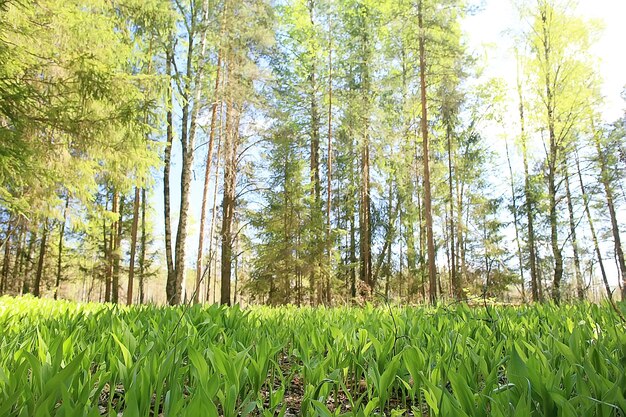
<point x="343" y="151"/>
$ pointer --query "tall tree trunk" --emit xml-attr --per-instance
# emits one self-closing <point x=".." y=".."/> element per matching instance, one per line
<point x="142" y="250"/>
<point x="207" y="174"/>
<point x="133" y="247"/>
<point x="212" y="258"/>
<point x="228" y="202"/>
<point x="108" y="267"/>
<point x="353" y="254"/>
<point x="553" y="161"/>
<point x="19" y="259"/>
<point x="529" y="200"/>
<point x="40" y="263"/>
<point x="170" y="287"/>
<point x="190" y="111"/>
<point x="457" y="285"/>
<point x="515" y="222"/>
<point x="594" y="237"/>
<point x="316" y="209"/>
<point x="117" y="250"/>
<point x="389" y="236"/>
<point x="111" y="251"/>
<point x="365" y="249"/>
<point x="329" y="173"/>
<point x="432" y="269"/>
<point x="580" y="292"/>
<point x="57" y="284"/>
<point x="423" y="263"/>
<point x="608" y="191"/>
<point x="6" y="242"/>
<point x="365" y="222"/>
<point x="26" y="280"/>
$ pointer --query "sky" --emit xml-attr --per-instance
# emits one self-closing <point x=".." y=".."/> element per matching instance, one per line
<point x="487" y="36"/>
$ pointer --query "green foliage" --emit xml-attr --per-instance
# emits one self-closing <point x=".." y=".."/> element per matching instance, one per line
<point x="61" y="358"/>
<point x="72" y="105"/>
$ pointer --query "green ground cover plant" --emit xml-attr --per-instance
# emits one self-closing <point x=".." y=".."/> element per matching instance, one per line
<point x="67" y="359"/>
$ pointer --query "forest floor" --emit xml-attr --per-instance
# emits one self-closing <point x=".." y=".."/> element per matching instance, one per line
<point x="63" y="358"/>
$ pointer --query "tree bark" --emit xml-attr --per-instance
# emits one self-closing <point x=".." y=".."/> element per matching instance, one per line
<point x="580" y="293"/>
<point x="365" y="222"/>
<point x="207" y="175"/>
<point x="608" y="191"/>
<point x="594" y="237"/>
<point x="553" y="156"/>
<point x="534" y="281"/>
<point x="316" y="219"/>
<point x="142" y="250"/>
<point x="190" y="111"/>
<point x="329" y="173"/>
<point x="4" y="278"/>
<point x="455" y="279"/>
<point x="29" y="263"/>
<point x="212" y="258"/>
<point x="117" y="254"/>
<point x="353" y="254"/>
<point x="133" y="247"/>
<point x="170" y="287"/>
<point x="432" y="269"/>
<point x="108" y="262"/>
<point x="228" y="202"/>
<point x="60" y="254"/>
<point x="515" y="222"/>
<point x="40" y="262"/>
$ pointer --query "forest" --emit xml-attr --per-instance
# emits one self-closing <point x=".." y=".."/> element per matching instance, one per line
<point x="306" y="152"/>
<point x="315" y="208"/>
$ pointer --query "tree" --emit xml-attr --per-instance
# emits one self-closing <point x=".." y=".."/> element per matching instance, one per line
<point x="560" y="71"/>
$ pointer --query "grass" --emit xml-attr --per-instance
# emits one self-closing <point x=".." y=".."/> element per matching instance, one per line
<point x="67" y="359"/>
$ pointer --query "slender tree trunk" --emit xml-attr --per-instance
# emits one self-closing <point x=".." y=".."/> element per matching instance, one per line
<point x="112" y="238"/>
<point x="515" y="222"/>
<point x="207" y="171"/>
<point x="423" y="268"/>
<point x="365" y="251"/>
<point x="580" y="292"/>
<point x="117" y="251"/>
<point x="432" y="269"/>
<point x="353" y="254"/>
<point x="171" y="276"/>
<point x="365" y="223"/>
<point x="457" y="285"/>
<point x="40" y="263"/>
<point x="594" y="237"/>
<point x="529" y="200"/>
<point x="207" y="174"/>
<point x="212" y="258"/>
<point x="142" y="250"/>
<point x="190" y="110"/>
<point x="389" y="236"/>
<point x="553" y="161"/>
<point x="228" y="201"/>
<point x="26" y="278"/>
<point x="133" y="247"/>
<point x="329" y="174"/>
<point x="60" y="254"/>
<point x="19" y="260"/>
<point x="316" y="209"/>
<point x="4" y="278"/>
<point x="608" y="191"/>
<point x="108" y="263"/>
<point x="236" y="271"/>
